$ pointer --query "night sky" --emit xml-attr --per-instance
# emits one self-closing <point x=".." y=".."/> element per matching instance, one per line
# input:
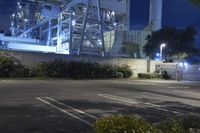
<point x="178" y="13"/>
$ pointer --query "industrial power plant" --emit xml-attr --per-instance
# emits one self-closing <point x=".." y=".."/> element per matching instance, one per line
<point x="75" y="27"/>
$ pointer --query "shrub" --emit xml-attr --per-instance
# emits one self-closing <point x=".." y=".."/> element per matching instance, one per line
<point x="191" y="122"/>
<point x="125" y="69"/>
<point x="6" y="66"/>
<point x="108" y="71"/>
<point x="123" y="124"/>
<point x="19" y="71"/>
<point x="149" y="75"/>
<point x="78" y="70"/>
<point x="10" y="68"/>
<point x="165" y="75"/>
<point x="119" y="75"/>
<point x="171" y="126"/>
<point x="53" y="69"/>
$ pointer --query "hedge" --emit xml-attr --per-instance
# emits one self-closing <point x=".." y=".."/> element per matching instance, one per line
<point x="133" y="124"/>
<point x="171" y="126"/>
<point x="149" y="75"/>
<point x="9" y="67"/>
<point x="123" y="124"/>
<point x="163" y="75"/>
<point x="79" y="70"/>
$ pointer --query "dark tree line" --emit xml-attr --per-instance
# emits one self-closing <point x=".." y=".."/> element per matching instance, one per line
<point x="180" y="43"/>
<point x="196" y="2"/>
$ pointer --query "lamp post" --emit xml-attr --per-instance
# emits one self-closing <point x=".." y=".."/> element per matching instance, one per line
<point x="161" y="49"/>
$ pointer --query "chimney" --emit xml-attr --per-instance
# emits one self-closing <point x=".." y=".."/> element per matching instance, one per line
<point x="155" y="14"/>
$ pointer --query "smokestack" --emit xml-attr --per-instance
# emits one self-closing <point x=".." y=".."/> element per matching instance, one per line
<point x="155" y="14"/>
<point x="127" y="22"/>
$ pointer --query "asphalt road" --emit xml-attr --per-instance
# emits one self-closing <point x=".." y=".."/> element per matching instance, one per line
<point x="72" y="106"/>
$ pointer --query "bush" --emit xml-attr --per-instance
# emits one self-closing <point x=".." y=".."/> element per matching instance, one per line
<point x="149" y="75"/>
<point x="19" y="71"/>
<point x="79" y="70"/>
<point x="6" y="66"/>
<point x="125" y="69"/>
<point x="123" y="124"/>
<point x="10" y="68"/>
<point x="119" y="75"/>
<point x="165" y="75"/>
<point x="191" y="122"/>
<point x="53" y="69"/>
<point x="132" y="124"/>
<point x="171" y="126"/>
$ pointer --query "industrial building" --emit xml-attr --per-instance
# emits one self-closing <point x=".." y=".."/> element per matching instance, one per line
<point x="97" y="27"/>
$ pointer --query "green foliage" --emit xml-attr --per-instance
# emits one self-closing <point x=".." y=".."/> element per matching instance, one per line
<point x="165" y="75"/>
<point x="132" y="124"/>
<point x="123" y="124"/>
<point x="149" y="75"/>
<point x="6" y="66"/>
<point x="196" y="2"/>
<point x="10" y="68"/>
<point x="180" y="43"/>
<point x="191" y="122"/>
<point x="130" y="49"/>
<point x="125" y="69"/>
<point x="81" y="70"/>
<point x="171" y="126"/>
<point x="52" y="69"/>
<point x="119" y="75"/>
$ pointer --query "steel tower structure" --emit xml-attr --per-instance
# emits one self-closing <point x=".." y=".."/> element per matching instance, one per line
<point x="100" y="27"/>
<point x="66" y="26"/>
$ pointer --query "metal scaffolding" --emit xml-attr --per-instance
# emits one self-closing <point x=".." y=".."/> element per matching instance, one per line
<point x="69" y="26"/>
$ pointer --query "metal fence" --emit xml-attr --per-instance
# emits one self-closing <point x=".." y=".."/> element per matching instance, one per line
<point x="192" y="72"/>
<point x="180" y="71"/>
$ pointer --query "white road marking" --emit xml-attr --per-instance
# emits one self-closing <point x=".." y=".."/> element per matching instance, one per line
<point x="187" y="92"/>
<point x="8" y="81"/>
<point x="134" y="82"/>
<point x="137" y="103"/>
<point x="117" y="98"/>
<point x="74" y="109"/>
<point x="178" y="87"/>
<point x="163" y="97"/>
<point x="64" y="111"/>
<point x="143" y="83"/>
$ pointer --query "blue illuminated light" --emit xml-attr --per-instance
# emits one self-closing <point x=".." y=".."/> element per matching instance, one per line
<point x="157" y="55"/>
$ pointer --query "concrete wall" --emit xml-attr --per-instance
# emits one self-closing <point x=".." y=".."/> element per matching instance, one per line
<point x="30" y="59"/>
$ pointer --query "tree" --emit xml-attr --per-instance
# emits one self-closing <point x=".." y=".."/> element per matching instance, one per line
<point x="180" y="43"/>
<point x="131" y="49"/>
<point x="196" y="2"/>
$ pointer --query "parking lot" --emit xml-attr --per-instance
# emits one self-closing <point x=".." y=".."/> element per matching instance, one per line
<point x="72" y="106"/>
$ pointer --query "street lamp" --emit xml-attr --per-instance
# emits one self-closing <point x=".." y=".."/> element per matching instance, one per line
<point x="161" y="48"/>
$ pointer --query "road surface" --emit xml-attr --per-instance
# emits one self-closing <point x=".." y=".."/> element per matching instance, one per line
<point x="72" y="106"/>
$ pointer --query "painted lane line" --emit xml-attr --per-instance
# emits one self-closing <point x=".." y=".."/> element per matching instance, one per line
<point x="170" y="97"/>
<point x="117" y="98"/>
<point x="134" y="83"/>
<point x="64" y="111"/>
<point x="8" y="81"/>
<point x="188" y="102"/>
<point x="187" y="92"/>
<point x="178" y="87"/>
<point x="12" y="82"/>
<point x="74" y="109"/>
<point x="138" y="103"/>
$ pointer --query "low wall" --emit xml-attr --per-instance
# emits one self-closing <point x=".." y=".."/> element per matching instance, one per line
<point x="30" y="59"/>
